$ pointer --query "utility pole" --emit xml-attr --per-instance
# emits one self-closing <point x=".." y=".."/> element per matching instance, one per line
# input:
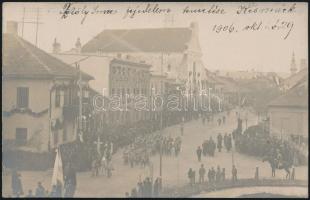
<point x="37" y="28"/>
<point x="79" y="82"/>
<point x="37" y="23"/>
<point x="161" y="119"/>
<point x="24" y="10"/>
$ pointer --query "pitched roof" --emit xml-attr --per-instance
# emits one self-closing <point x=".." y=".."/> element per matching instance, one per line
<point x="140" y="40"/>
<point x="22" y="59"/>
<point x="295" y="97"/>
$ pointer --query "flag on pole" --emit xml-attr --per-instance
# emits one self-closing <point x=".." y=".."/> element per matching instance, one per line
<point x="58" y="169"/>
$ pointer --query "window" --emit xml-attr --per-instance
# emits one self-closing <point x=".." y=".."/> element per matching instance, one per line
<point x="113" y="91"/>
<point x="64" y="136"/>
<point x="22" y="97"/>
<point x="169" y="68"/>
<point x="66" y="97"/>
<point x="57" y="98"/>
<point x="21" y="136"/>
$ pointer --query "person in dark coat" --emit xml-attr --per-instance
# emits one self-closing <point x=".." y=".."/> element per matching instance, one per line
<point x="212" y="147"/>
<point x="40" y="191"/>
<point x="198" y="152"/>
<point x="17" y="184"/>
<point x="190" y="176"/>
<point x="205" y="147"/>
<point x="29" y="194"/>
<point x="256" y="177"/>
<point x="234" y="173"/>
<point x="194" y="177"/>
<point x="223" y="174"/>
<point x="156" y="188"/>
<point x="69" y="189"/>
<point x="293" y="174"/>
<point x="210" y="176"/>
<point x="58" y="189"/>
<point x="126" y="195"/>
<point x="202" y="172"/>
<point x="70" y="178"/>
<point x="134" y="193"/>
<point x="53" y="192"/>
<point x="149" y="187"/>
<point x="140" y="189"/>
<point x="218" y="174"/>
<point x="219" y="142"/>
<point x="229" y="142"/>
<point x="225" y="141"/>
<point x="213" y="173"/>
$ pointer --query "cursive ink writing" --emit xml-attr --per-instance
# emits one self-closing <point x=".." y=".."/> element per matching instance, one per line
<point x="149" y="9"/>
<point x="214" y="9"/>
<point x="68" y="9"/>
<point x="253" y="9"/>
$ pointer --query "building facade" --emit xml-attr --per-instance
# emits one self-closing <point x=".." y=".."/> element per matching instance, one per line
<point x="172" y="51"/>
<point x="121" y="80"/>
<point x="289" y="113"/>
<point x="38" y="98"/>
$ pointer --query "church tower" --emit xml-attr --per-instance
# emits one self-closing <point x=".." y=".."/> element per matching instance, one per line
<point x="293" y="65"/>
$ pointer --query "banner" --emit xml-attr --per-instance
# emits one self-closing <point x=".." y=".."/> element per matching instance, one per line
<point x="58" y="169"/>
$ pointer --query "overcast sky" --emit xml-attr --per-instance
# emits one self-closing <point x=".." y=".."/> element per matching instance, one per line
<point x="263" y="50"/>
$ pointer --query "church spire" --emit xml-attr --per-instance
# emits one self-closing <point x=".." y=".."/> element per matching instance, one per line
<point x="293" y="65"/>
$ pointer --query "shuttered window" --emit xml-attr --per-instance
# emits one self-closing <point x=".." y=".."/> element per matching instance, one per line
<point x="22" y="97"/>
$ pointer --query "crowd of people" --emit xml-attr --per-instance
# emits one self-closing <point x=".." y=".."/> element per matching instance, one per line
<point x="255" y="143"/>
<point x="58" y="190"/>
<point x="213" y="176"/>
<point x="208" y="147"/>
<point x="146" y="188"/>
<point x="102" y="163"/>
<point x="139" y="152"/>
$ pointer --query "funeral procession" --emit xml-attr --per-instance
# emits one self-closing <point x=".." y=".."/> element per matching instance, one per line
<point x="155" y="99"/>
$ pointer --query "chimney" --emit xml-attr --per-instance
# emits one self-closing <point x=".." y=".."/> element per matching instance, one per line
<point x="194" y="26"/>
<point x="78" y="45"/>
<point x="12" y="27"/>
<point x="56" y="46"/>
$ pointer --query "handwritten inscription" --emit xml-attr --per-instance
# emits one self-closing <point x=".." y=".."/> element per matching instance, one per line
<point x="278" y="25"/>
<point x="148" y="9"/>
<point x="156" y="9"/>
<point x="70" y="10"/>
<point x="254" y="9"/>
<point x="214" y="9"/>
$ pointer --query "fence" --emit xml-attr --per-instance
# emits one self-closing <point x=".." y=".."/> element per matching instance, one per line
<point x="188" y="190"/>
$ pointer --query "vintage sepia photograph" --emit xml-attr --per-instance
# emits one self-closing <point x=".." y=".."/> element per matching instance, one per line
<point x="155" y="99"/>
